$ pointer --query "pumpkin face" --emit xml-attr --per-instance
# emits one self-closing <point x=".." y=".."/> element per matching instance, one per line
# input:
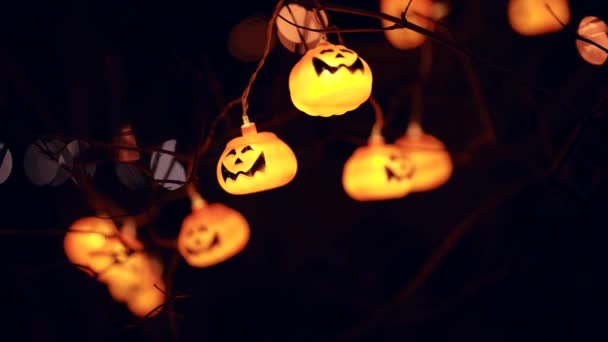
<point x="431" y="159"/>
<point x="93" y="244"/>
<point x="531" y="17"/>
<point x="329" y="80"/>
<point x="595" y="30"/>
<point x="212" y="234"/>
<point x="404" y="38"/>
<point x="377" y="171"/>
<point x="255" y="162"/>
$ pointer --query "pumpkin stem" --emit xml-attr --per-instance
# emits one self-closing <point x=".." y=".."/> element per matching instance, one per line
<point x="414" y="129"/>
<point x="195" y="198"/>
<point x="379" y="122"/>
<point x="248" y="128"/>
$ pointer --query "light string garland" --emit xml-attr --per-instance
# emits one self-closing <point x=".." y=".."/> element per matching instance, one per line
<point x="269" y="30"/>
<point x="256" y="161"/>
<point x="197" y="202"/>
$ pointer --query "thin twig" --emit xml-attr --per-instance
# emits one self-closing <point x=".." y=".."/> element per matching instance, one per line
<point x="433" y="261"/>
<point x="204" y="144"/>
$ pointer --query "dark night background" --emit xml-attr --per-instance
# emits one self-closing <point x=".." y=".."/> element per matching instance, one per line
<point x="318" y="264"/>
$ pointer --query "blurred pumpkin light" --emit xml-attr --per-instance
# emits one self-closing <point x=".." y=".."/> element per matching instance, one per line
<point x="430" y="157"/>
<point x="212" y="233"/>
<point x="532" y="17"/>
<point x="377" y="171"/>
<point x="418" y="13"/>
<point x="93" y="244"/>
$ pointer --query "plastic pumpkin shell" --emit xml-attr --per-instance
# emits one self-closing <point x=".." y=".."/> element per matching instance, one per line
<point x="212" y="234"/>
<point x="93" y="244"/>
<point x="431" y="159"/>
<point x="255" y="162"/>
<point x="532" y="17"/>
<point x="330" y="80"/>
<point x="404" y="38"/>
<point x="377" y="171"/>
<point x="138" y="272"/>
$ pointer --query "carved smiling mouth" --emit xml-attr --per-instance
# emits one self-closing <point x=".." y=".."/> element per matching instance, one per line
<point x="319" y="66"/>
<point x="201" y="249"/>
<point x="390" y="174"/>
<point x="258" y="166"/>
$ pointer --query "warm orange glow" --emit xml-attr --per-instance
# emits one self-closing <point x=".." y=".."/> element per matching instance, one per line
<point x="595" y="30"/>
<point x="136" y="273"/>
<point x="143" y="302"/>
<point x="330" y="80"/>
<point x="531" y="17"/>
<point x="212" y="233"/>
<point x="404" y="38"/>
<point x="255" y="162"/>
<point x="126" y="138"/>
<point x="432" y="162"/>
<point x="93" y="244"/>
<point x="377" y="171"/>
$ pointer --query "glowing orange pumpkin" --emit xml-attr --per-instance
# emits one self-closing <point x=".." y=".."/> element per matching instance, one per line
<point x="531" y="17"/>
<point x="255" y="162"/>
<point x="330" y="80"/>
<point x="138" y="272"/>
<point x="595" y="30"/>
<point x="405" y="38"/>
<point x="93" y="244"/>
<point x="377" y="171"/>
<point x="431" y="159"/>
<point x="212" y="233"/>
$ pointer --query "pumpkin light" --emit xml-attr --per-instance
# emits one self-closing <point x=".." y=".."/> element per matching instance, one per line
<point x="329" y="80"/>
<point x="212" y="233"/>
<point x="377" y="171"/>
<point x="255" y="161"/>
<point x="532" y="17"/>
<point x="595" y="30"/>
<point x="417" y="13"/>
<point x="431" y="159"/>
<point x="93" y="244"/>
<point x="136" y="273"/>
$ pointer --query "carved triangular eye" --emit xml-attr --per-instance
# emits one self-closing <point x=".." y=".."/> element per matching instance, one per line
<point x="246" y="148"/>
<point x="231" y="153"/>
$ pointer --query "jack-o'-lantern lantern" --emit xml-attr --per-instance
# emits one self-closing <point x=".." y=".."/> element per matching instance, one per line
<point x="92" y="243"/>
<point x="330" y="80"/>
<point x="418" y="13"/>
<point x="377" y="171"/>
<point x="595" y="30"/>
<point x="211" y="234"/>
<point x="255" y="162"/>
<point x="431" y="159"/>
<point x="139" y="271"/>
<point x="532" y="17"/>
